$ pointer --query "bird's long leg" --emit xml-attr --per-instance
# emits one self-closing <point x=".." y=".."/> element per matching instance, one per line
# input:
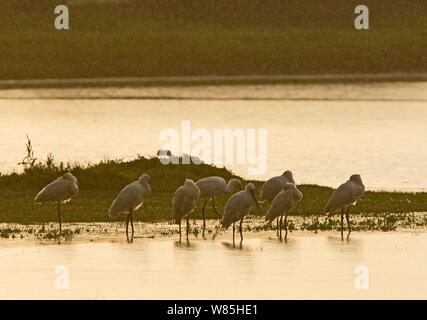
<point x="348" y="222"/>
<point x="188" y="226"/>
<point x="213" y="205"/>
<point x="277" y="226"/>
<point x="203" y="216"/>
<point x="280" y="227"/>
<point x="127" y="226"/>
<point x="131" y="223"/>
<point x="342" y="224"/>
<point x="286" y="226"/>
<point x="179" y="230"/>
<point x="240" y="229"/>
<point x="59" y="218"/>
<point x="234" y="230"/>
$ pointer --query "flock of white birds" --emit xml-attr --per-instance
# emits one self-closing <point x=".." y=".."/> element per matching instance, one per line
<point x="280" y="191"/>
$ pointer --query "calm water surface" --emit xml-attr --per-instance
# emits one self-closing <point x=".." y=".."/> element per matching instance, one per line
<point x="308" y="266"/>
<point x="322" y="132"/>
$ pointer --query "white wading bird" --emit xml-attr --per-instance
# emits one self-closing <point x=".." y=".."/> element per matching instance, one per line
<point x="61" y="190"/>
<point x="273" y="186"/>
<point x="130" y="198"/>
<point x="345" y="196"/>
<point x="284" y="202"/>
<point x="210" y="187"/>
<point x="237" y="207"/>
<point x="183" y="203"/>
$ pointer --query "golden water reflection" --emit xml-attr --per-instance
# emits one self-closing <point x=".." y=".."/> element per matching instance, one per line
<point x="307" y="266"/>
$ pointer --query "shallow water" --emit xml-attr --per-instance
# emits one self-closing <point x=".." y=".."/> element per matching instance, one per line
<point x="307" y="266"/>
<point x="322" y="132"/>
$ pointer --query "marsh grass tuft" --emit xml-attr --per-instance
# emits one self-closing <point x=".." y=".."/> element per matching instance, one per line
<point x="29" y="160"/>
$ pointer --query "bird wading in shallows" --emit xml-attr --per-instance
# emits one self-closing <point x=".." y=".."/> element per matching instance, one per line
<point x="210" y="187"/>
<point x="237" y="207"/>
<point x="129" y="199"/>
<point x="283" y="203"/>
<point x="183" y="203"/>
<point x="61" y="190"/>
<point x="273" y="186"/>
<point x="345" y="196"/>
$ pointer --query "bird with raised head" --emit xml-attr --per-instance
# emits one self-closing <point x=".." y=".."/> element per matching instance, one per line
<point x="211" y="187"/>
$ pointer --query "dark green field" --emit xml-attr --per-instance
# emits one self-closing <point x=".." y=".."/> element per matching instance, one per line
<point x="99" y="184"/>
<point x="210" y="37"/>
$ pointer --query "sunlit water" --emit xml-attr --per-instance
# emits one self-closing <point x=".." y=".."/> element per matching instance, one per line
<point x="322" y="132"/>
<point x="307" y="266"/>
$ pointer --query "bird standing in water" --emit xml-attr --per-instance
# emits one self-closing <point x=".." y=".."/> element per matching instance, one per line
<point x="237" y="207"/>
<point x="184" y="201"/>
<point x="273" y="186"/>
<point x="60" y="191"/>
<point x="211" y="187"/>
<point x="283" y="203"/>
<point x="129" y="199"/>
<point x="345" y="196"/>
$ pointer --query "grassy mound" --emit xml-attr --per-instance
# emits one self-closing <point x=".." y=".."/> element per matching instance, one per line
<point x="99" y="185"/>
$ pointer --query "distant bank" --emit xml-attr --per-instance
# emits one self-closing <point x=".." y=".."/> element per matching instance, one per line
<point x="213" y="79"/>
<point x="164" y="38"/>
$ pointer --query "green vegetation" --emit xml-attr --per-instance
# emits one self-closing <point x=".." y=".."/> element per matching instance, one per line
<point x="377" y="222"/>
<point x="99" y="185"/>
<point x="211" y="37"/>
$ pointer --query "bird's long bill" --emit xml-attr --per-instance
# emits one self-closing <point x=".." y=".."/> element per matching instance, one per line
<point x="255" y="199"/>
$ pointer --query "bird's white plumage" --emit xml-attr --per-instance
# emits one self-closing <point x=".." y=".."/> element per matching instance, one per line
<point x="60" y="190"/>
<point x="131" y="197"/>
<point x="185" y="199"/>
<point x="239" y="205"/>
<point x="284" y="201"/>
<point x="274" y="185"/>
<point x="213" y="186"/>
<point x="346" y="194"/>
